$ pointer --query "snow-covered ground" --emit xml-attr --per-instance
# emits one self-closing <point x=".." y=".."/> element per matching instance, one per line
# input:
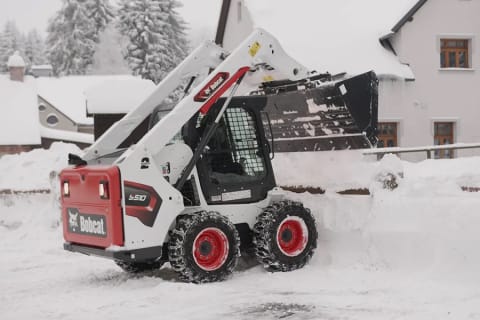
<point x="404" y="254"/>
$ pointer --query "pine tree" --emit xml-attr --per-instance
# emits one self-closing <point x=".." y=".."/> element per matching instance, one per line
<point x="101" y="12"/>
<point x="71" y="39"/>
<point x="35" y="48"/>
<point x="11" y="40"/>
<point x="156" y="36"/>
<point x="175" y="30"/>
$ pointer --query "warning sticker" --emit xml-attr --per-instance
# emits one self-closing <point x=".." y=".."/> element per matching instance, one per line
<point x="236" y="195"/>
<point x="254" y="48"/>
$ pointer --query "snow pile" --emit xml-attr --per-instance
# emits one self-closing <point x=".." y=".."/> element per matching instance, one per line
<point x="30" y="171"/>
<point x="442" y="173"/>
<point x="410" y="253"/>
<point x="331" y="170"/>
<point x="15" y="60"/>
<point x="334" y="170"/>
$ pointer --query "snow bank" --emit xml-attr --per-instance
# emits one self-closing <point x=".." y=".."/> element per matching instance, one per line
<point x="410" y="253"/>
<point x="334" y="170"/>
<point x="30" y="171"/>
<point x="420" y="235"/>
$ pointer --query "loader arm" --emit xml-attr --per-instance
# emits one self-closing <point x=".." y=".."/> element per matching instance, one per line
<point x="206" y="56"/>
<point x="259" y="58"/>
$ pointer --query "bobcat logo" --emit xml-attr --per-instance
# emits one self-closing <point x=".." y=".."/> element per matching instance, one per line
<point x="73" y="220"/>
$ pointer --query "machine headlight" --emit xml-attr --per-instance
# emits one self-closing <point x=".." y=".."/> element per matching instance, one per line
<point x="103" y="190"/>
<point x="66" y="189"/>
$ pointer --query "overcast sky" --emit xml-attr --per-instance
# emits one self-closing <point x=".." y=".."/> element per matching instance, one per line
<point x="202" y="15"/>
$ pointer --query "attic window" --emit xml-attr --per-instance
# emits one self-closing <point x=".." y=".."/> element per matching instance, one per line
<point x="454" y="53"/>
<point x="52" y="120"/>
<point x="42" y="108"/>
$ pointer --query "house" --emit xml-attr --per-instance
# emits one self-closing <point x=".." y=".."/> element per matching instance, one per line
<point x="108" y="101"/>
<point x="30" y="120"/>
<point x="44" y="70"/>
<point x="43" y="109"/>
<point x="19" y="126"/>
<point x="442" y="105"/>
<point x="425" y="59"/>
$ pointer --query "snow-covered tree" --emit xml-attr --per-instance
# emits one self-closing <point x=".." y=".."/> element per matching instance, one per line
<point x="108" y="58"/>
<point x="156" y="36"/>
<point x="11" y="40"/>
<point x="71" y="38"/>
<point x="35" y="48"/>
<point x="175" y="29"/>
<point x="101" y="12"/>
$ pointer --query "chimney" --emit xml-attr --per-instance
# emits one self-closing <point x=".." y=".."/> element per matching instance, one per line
<point x="16" y="66"/>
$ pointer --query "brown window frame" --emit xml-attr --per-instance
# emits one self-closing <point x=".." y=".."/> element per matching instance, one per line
<point x="457" y="47"/>
<point x="385" y="137"/>
<point x="441" y="139"/>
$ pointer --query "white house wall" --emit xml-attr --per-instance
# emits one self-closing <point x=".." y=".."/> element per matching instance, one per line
<point x="436" y="94"/>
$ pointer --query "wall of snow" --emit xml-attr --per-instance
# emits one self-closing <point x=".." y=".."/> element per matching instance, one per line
<point x="427" y="223"/>
<point x="410" y="253"/>
<point x="30" y="171"/>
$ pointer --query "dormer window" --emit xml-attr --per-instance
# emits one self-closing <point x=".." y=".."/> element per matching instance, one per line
<point x="454" y="53"/>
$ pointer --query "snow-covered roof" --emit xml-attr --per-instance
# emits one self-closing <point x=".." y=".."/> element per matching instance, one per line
<point x="15" y="60"/>
<point x="67" y="94"/>
<point x="19" y="122"/>
<point x="42" y="67"/>
<point x="117" y="95"/>
<point x="64" y="135"/>
<point x="335" y="35"/>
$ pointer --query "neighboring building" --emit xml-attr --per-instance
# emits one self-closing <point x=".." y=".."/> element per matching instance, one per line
<point x="426" y="61"/>
<point x="39" y="111"/>
<point x="65" y="104"/>
<point x="19" y="126"/>
<point x="30" y="121"/>
<point x="109" y="101"/>
<point x="44" y="70"/>
<point x="442" y="105"/>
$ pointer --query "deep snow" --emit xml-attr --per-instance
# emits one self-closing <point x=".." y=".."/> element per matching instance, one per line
<point x="404" y="254"/>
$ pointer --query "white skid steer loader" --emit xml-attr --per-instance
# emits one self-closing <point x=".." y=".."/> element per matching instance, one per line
<point x="199" y="186"/>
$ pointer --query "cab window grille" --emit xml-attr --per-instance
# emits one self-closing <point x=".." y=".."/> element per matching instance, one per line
<point x="234" y="153"/>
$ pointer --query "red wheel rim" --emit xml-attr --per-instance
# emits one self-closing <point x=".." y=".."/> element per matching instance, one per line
<point x="292" y="236"/>
<point x="210" y="249"/>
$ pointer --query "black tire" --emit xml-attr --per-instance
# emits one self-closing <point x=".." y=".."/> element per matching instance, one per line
<point x="285" y="236"/>
<point x="138" y="267"/>
<point x="204" y="247"/>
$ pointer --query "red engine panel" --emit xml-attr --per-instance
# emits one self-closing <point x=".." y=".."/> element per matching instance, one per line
<point x="92" y="214"/>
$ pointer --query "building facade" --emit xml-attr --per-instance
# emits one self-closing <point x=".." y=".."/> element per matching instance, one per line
<point x="440" y="42"/>
<point x="437" y="40"/>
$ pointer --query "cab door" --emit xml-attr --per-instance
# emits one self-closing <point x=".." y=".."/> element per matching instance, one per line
<point x="235" y="166"/>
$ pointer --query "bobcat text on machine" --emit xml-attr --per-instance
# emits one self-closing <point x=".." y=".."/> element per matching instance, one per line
<point x="198" y="187"/>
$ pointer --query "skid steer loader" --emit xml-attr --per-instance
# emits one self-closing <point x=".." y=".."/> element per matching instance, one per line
<point x="199" y="186"/>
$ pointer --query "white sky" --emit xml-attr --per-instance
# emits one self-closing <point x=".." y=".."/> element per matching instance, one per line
<point x="202" y="15"/>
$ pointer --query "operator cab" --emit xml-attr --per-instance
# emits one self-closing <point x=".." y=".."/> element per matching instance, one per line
<point x="235" y="165"/>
